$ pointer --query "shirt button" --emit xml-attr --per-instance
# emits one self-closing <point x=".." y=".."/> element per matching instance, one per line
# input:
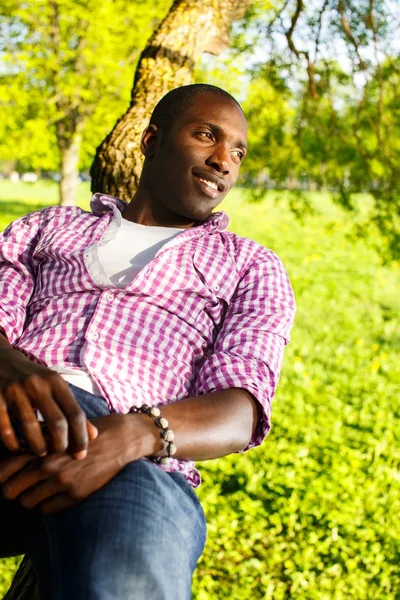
<point x="216" y="288"/>
<point x="94" y="335"/>
<point x="109" y="296"/>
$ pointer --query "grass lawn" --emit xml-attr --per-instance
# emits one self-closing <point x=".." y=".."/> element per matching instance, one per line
<point x="315" y="512"/>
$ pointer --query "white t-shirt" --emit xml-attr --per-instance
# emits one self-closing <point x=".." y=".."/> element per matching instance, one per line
<point x="133" y="247"/>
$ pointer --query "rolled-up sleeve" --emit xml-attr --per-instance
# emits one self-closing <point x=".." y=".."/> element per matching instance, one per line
<point x="17" y="273"/>
<point x="248" y="350"/>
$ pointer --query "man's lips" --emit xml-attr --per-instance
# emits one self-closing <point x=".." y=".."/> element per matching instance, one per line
<point x="210" y="184"/>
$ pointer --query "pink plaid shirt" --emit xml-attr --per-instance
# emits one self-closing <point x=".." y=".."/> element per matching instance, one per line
<point x="211" y="311"/>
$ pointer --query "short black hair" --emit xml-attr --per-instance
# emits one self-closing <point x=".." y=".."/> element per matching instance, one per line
<point x="175" y="102"/>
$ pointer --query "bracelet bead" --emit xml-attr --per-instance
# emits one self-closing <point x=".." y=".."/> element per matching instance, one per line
<point x="172" y="449"/>
<point x="166" y="434"/>
<point x="163" y="422"/>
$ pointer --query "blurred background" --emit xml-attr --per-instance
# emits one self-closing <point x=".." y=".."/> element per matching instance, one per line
<point x="313" y="513"/>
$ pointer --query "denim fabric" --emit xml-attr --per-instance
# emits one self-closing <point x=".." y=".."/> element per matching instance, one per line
<point x="139" y="537"/>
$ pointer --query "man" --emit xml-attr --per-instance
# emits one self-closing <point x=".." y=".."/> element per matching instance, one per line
<point x="152" y="303"/>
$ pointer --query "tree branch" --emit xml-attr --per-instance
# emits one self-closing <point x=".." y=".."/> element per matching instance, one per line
<point x="349" y="34"/>
<point x="289" y="37"/>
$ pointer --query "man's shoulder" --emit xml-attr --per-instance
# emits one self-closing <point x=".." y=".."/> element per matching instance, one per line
<point x="55" y="216"/>
<point x="63" y="212"/>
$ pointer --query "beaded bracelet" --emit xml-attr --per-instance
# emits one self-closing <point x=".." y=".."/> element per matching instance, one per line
<point x="166" y="434"/>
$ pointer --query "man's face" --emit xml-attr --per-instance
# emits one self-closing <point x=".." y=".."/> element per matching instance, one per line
<point x="193" y="166"/>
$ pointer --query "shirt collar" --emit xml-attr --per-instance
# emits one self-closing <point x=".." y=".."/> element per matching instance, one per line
<point x="100" y="204"/>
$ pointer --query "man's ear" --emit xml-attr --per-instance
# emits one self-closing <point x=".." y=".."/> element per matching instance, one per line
<point x="149" y="138"/>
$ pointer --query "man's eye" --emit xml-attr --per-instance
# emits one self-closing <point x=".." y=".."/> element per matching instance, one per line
<point x="239" y="154"/>
<point x="207" y="134"/>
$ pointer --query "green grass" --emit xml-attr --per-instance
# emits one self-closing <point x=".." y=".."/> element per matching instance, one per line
<point x="315" y="512"/>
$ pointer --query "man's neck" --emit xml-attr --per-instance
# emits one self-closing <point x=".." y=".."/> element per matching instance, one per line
<point x="141" y="210"/>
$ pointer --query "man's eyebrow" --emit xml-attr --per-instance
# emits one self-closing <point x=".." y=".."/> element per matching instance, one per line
<point x="217" y="130"/>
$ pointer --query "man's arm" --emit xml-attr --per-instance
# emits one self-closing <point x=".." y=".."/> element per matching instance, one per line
<point x="205" y="427"/>
<point x="209" y="426"/>
<point x="24" y="385"/>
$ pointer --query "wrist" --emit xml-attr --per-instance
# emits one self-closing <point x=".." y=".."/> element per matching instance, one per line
<point x="145" y="435"/>
<point x="166" y="434"/>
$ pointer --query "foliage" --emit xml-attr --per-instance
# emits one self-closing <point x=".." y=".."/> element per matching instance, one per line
<point x="274" y="155"/>
<point x="313" y="514"/>
<point x="66" y="63"/>
<point x="323" y="100"/>
<point x="351" y="144"/>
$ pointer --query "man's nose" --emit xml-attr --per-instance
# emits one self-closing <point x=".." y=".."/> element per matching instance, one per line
<point x="219" y="160"/>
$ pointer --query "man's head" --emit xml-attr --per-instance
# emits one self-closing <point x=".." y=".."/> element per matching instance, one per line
<point x="193" y="148"/>
<point x="177" y="101"/>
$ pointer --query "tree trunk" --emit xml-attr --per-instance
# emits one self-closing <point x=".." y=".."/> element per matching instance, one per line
<point x="69" y="169"/>
<point x="189" y="29"/>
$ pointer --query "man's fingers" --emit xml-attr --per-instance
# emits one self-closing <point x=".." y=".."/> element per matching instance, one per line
<point x="92" y="430"/>
<point x="44" y="490"/>
<point x="27" y="419"/>
<point x="66" y="422"/>
<point x="10" y="466"/>
<point x="26" y="477"/>
<point x="57" y="503"/>
<point x="41" y="395"/>
<point x="7" y="433"/>
<point x="77" y="421"/>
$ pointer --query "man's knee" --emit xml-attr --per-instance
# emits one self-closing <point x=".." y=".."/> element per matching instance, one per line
<point x="140" y="536"/>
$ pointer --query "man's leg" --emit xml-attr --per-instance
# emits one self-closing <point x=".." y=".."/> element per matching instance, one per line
<point x="139" y="537"/>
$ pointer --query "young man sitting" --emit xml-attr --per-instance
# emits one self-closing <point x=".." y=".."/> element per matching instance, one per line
<point x="136" y="339"/>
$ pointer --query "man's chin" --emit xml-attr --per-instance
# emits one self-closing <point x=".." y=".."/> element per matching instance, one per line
<point x="201" y="212"/>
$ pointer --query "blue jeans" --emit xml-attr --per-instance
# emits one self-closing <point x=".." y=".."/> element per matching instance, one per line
<point x="139" y="537"/>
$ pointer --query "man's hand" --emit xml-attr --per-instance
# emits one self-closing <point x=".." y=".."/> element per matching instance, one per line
<point x="26" y="386"/>
<point x="58" y="481"/>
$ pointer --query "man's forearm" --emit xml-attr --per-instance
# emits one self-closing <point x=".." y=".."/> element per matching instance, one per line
<point x="211" y="425"/>
<point x="206" y="427"/>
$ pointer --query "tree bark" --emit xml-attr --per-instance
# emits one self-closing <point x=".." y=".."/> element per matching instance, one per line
<point x="189" y="29"/>
<point x="69" y="169"/>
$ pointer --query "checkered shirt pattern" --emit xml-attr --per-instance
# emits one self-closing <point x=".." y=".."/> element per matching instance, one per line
<point x="211" y="311"/>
